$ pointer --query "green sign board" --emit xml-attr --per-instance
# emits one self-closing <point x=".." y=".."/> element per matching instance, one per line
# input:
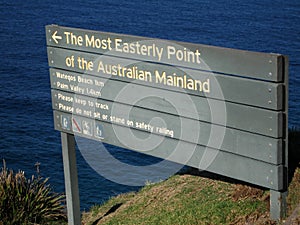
<point x="232" y="103"/>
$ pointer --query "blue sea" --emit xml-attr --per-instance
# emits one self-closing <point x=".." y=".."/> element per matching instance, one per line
<point x="26" y="130"/>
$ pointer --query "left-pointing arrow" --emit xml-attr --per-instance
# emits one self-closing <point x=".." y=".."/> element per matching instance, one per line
<point x="56" y="37"/>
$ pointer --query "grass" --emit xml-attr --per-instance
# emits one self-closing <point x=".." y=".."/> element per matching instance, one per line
<point x="187" y="199"/>
<point x="180" y="199"/>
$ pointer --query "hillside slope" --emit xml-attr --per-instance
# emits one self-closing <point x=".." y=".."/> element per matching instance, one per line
<point x="188" y="199"/>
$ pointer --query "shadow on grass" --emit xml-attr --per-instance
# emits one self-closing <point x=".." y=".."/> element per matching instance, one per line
<point x="111" y="210"/>
<point x="294" y="151"/>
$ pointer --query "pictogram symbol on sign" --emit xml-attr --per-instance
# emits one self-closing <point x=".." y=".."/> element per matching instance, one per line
<point x="99" y="131"/>
<point x="87" y="128"/>
<point x="76" y="126"/>
<point x="65" y="122"/>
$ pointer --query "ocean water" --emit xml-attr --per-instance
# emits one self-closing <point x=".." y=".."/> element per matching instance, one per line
<point x="27" y="135"/>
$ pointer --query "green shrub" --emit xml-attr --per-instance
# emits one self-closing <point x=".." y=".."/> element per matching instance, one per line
<point x="28" y="201"/>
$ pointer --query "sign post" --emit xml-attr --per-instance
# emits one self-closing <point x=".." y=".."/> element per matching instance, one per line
<point x="221" y="110"/>
<point x="71" y="178"/>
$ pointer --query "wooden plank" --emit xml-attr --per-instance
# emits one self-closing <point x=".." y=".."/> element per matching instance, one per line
<point x="259" y="121"/>
<point x="216" y="86"/>
<point x="235" y="141"/>
<point x="263" y="66"/>
<point x="220" y="162"/>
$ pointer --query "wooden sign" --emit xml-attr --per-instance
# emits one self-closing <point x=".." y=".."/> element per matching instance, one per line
<point x="229" y="102"/>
